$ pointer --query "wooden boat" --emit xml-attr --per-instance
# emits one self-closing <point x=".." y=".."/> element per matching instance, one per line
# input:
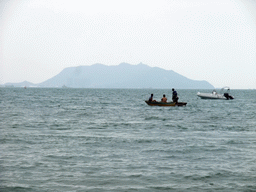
<point x="167" y="104"/>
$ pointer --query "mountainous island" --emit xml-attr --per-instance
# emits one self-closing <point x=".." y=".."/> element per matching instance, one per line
<point x="123" y="75"/>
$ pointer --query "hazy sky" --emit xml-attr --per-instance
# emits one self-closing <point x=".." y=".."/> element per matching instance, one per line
<point x="200" y="39"/>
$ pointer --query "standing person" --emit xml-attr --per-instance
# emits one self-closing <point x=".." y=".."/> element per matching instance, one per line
<point x="175" y="97"/>
<point x="150" y="99"/>
<point x="164" y="99"/>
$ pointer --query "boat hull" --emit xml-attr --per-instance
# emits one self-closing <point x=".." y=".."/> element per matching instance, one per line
<point x="210" y="96"/>
<point x="168" y="104"/>
<point x="213" y="96"/>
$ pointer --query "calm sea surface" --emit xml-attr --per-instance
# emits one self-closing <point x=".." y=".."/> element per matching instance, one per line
<point x="110" y="140"/>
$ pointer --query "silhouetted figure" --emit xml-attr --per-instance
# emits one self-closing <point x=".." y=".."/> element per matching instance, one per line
<point x="175" y="97"/>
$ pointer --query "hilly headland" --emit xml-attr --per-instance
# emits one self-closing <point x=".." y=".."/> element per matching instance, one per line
<point x="123" y="75"/>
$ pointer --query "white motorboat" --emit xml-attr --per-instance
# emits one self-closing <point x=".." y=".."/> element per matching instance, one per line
<point x="224" y="94"/>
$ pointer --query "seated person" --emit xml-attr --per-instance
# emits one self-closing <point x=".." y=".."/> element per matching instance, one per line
<point x="151" y="98"/>
<point x="164" y="99"/>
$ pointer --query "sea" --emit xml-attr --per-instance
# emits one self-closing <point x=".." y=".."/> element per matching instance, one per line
<point x="64" y="139"/>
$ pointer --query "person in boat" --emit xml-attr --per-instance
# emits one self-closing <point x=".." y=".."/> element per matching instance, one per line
<point x="175" y="97"/>
<point x="150" y="99"/>
<point x="164" y="99"/>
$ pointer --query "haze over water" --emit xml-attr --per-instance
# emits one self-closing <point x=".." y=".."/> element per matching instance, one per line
<point x="110" y="140"/>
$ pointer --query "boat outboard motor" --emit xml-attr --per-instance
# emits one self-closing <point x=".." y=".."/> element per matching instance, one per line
<point x="228" y="96"/>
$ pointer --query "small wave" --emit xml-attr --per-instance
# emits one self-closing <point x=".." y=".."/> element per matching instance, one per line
<point x="235" y="142"/>
<point x="144" y="140"/>
<point x="135" y="175"/>
<point x="14" y="189"/>
<point x="153" y="118"/>
<point x="163" y="188"/>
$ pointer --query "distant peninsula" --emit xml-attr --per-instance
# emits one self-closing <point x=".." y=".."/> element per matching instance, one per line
<point x="123" y="75"/>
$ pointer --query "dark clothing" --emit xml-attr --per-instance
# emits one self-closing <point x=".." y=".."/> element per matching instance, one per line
<point x="175" y="99"/>
<point x="175" y="96"/>
<point x="174" y="93"/>
<point x="150" y="98"/>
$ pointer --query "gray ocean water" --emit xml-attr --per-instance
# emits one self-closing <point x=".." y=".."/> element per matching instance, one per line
<point x="110" y="140"/>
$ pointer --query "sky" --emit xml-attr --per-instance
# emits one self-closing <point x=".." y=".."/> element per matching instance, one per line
<point x="199" y="39"/>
